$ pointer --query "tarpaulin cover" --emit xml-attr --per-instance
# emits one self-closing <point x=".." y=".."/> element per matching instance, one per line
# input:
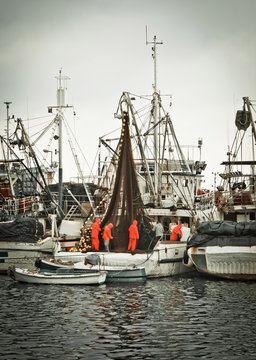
<point x="227" y="228"/>
<point x="224" y="233"/>
<point x="22" y="229"/>
<point x="126" y="204"/>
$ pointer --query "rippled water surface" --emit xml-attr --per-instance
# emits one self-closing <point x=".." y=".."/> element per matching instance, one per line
<point x="183" y="317"/>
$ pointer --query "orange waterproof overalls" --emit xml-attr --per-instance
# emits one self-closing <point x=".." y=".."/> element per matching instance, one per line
<point x="133" y="236"/>
<point x="175" y="232"/>
<point x="95" y="235"/>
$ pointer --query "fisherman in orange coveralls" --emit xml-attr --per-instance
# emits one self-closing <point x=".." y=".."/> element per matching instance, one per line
<point x="133" y="235"/>
<point x="107" y="235"/>
<point x="95" y="235"/>
<point x="176" y="233"/>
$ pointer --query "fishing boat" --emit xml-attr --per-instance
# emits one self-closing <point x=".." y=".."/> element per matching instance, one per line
<point x="170" y="175"/>
<point x="24" y="210"/>
<point x="147" y="178"/>
<point x="24" y="190"/>
<point x="22" y="241"/>
<point x="61" y="276"/>
<point x="159" y="258"/>
<point x="227" y="248"/>
<point x="32" y="204"/>
<point x="28" y="210"/>
<point x="75" y="198"/>
<point x="114" y="273"/>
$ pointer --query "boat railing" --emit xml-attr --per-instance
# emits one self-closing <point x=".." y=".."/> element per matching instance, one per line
<point x="235" y="197"/>
<point x="165" y="237"/>
<point x="80" y="203"/>
<point x="15" y="206"/>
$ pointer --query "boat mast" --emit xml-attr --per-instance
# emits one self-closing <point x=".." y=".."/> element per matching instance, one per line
<point x="60" y="105"/>
<point x="155" y="115"/>
<point x="7" y="103"/>
<point x="248" y="103"/>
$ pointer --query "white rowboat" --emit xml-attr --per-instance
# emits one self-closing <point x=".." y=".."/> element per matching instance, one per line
<point x="57" y="277"/>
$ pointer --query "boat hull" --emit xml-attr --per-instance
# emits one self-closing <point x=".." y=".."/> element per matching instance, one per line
<point x="47" y="277"/>
<point x="230" y="262"/>
<point x="165" y="260"/>
<point x="125" y="275"/>
<point x="23" y="255"/>
<point x="114" y="274"/>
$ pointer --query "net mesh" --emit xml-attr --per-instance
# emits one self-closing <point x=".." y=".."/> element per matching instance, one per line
<point x="126" y="203"/>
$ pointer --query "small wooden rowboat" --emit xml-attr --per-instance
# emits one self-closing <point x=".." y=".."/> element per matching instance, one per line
<point x="58" y="277"/>
<point x="114" y="273"/>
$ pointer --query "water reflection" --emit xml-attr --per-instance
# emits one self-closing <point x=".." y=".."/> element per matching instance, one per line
<point x="181" y="317"/>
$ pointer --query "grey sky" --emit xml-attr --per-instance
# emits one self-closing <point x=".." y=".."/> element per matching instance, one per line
<point x="207" y="63"/>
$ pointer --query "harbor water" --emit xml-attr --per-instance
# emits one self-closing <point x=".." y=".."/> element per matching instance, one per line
<point x="182" y="317"/>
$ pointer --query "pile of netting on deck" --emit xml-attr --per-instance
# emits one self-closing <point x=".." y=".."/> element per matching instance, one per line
<point x="22" y="229"/>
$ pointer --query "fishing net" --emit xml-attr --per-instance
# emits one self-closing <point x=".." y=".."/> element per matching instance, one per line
<point x="126" y="203"/>
<point x="22" y="229"/>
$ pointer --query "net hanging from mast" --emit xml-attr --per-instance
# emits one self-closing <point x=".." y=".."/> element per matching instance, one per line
<point x="126" y="203"/>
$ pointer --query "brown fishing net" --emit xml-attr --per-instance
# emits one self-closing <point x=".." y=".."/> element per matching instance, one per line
<point x="126" y="204"/>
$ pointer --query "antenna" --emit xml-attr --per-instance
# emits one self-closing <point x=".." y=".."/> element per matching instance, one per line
<point x="146" y="35"/>
<point x="154" y="55"/>
<point x="156" y="106"/>
<point x="61" y="87"/>
<point x="7" y="103"/>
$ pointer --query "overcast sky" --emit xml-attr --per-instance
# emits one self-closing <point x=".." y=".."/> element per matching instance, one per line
<point x="207" y="63"/>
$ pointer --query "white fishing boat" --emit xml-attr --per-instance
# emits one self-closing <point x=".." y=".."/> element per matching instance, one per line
<point x="162" y="258"/>
<point x="22" y="241"/>
<point x="170" y="175"/>
<point x="227" y="248"/>
<point x="166" y="259"/>
<point x="60" y="276"/>
<point x="29" y="196"/>
<point x="25" y="201"/>
<point x="24" y="254"/>
<point x="144" y="177"/>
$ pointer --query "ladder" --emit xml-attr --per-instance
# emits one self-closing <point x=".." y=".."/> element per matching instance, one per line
<point x="71" y="212"/>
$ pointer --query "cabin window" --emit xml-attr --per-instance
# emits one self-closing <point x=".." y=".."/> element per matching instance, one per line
<point x="252" y="216"/>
